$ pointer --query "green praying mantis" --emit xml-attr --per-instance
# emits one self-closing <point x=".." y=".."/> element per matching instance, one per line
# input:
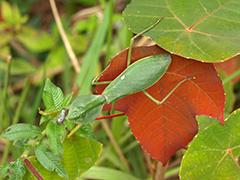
<point x="137" y="77"/>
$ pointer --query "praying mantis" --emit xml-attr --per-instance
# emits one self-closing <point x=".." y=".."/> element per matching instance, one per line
<point x="137" y="77"/>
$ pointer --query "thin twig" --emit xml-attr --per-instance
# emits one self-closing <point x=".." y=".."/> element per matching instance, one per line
<point x="148" y="161"/>
<point x="160" y="171"/>
<point x="64" y="37"/>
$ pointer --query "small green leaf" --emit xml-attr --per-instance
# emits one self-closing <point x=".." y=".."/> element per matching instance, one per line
<point x="67" y="99"/>
<point x="79" y="154"/>
<point x="214" y="152"/>
<point x="49" y="160"/>
<point x="5" y="169"/>
<point x="18" y="170"/>
<point x="52" y="95"/>
<point x="85" y="131"/>
<point x="55" y="134"/>
<point x="6" y="11"/>
<point x="19" y="131"/>
<point x="35" y="40"/>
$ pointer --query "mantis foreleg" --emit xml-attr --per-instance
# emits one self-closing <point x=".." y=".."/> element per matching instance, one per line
<point x="94" y="81"/>
<point x="169" y="94"/>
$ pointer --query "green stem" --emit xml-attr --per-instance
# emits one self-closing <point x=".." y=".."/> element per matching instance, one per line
<point x="21" y="102"/>
<point x="16" y="119"/>
<point x="6" y="120"/>
<point x="109" y="36"/>
<point x="37" y="103"/>
<point x="26" y="152"/>
<point x="6" y="152"/>
<point x="231" y="77"/>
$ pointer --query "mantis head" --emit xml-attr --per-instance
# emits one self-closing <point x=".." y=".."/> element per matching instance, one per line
<point x="85" y="109"/>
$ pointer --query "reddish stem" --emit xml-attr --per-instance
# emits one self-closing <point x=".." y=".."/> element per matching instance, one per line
<point x="32" y="169"/>
<point x="110" y="116"/>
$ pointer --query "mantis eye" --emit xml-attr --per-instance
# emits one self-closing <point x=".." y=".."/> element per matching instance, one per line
<point x="62" y="116"/>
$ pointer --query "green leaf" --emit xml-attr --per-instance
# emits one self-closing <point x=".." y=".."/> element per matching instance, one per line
<point x="204" y="30"/>
<point x="214" y="152"/>
<point x="5" y="169"/>
<point x="21" y="143"/>
<point x="85" y="130"/>
<point x="19" y="131"/>
<point x="205" y="121"/>
<point x="11" y="14"/>
<point x="6" y="11"/>
<point x="79" y="154"/>
<point x="67" y="99"/>
<point x="55" y="134"/>
<point x="35" y="40"/>
<point x="50" y="161"/>
<point x="102" y="173"/>
<point x="52" y="95"/>
<point x="18" y="170"/>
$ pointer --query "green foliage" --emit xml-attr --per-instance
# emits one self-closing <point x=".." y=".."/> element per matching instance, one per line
<point x="4" y="170"/>
<point x="12" y="16"/>
<point x="55" y="134"/>
<point x="52" y="95"/>
<point x="19" y="131"/>
<point x="33" y="40"/>
<point x="191" y="29"/>
<point x="213" y="153"/>
<point x="50" y="161"/>
<point x="18" y="170"/>
<point x="79" y="155"/>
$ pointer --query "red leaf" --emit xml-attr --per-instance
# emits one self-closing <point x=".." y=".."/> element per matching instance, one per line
<point x="164" y="129"/>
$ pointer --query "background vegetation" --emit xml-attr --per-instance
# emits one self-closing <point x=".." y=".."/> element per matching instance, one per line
<point x="96" y="31"/>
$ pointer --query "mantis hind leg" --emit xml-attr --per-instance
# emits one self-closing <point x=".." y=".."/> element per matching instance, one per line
<point x="169" y="94"/>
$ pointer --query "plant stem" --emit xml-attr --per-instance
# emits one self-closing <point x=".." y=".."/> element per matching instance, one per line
<point x="26" y="152"/>
<point x="16" y="119"/>
<point x="6" y="152"/>
<point x="160" y="171"/>
<point x="4" y="113"/>
<point x="109" y="36"/>
<point x="21" y="102"/>
<point x="66" y="42"/>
